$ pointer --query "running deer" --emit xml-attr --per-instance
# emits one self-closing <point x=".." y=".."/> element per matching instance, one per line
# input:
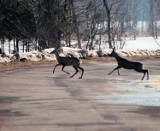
<point x="123" y="63"/>
<point x="67" y="61"/>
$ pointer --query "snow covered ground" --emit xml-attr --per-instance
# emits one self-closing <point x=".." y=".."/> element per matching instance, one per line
<point x="142" y="43"/>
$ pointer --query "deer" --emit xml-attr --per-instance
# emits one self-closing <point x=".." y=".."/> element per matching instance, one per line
<point x="126" y="64"/>
<point x="67" y="61"/>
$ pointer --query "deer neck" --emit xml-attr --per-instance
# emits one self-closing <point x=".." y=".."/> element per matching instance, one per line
<point x="117" y="57"/>
<point x="57" y="55"/>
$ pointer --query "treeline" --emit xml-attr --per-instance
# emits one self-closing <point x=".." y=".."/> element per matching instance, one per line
<point x="44" y="23"/>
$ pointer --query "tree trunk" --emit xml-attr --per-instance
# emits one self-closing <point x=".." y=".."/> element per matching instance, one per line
<point x="17" y="45"/>
<point x="2" y="44"/>
<point x="109" y="22"/>
<point x="76" y="28"/>
<point x="28" y="46"/>
<point x="23" y="45"/>
<point x="156" y="34"/>
<point x="9" y="49"/>
<point x="69" y="39"/>
<point x="14" y="42"/>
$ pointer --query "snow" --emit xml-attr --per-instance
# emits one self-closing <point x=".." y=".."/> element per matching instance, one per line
<point x="146" y="46"/>
<point x="142" y="43"/>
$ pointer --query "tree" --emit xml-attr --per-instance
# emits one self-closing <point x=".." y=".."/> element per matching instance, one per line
<point x="91" y="20"/>
<point x="67" y="23"/>
<point x="115" y="17"/>
<point x="108" y="12"/>
<point x="17" y="21"/>
<point x="50" y="17"/>
<point x="75" y="23"/>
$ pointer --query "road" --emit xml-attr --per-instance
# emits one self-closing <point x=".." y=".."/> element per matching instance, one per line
<point x="36" y="100"/>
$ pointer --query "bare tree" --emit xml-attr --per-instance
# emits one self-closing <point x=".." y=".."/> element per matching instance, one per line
<point x="108" y="11"/>
<point x="154" y="17"/>
<point x="116" y="12"/>
<point x="91" y="20"/>
<point x="76" y="27"/>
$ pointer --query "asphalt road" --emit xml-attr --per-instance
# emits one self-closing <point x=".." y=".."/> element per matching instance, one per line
<point x="36" y="100"/>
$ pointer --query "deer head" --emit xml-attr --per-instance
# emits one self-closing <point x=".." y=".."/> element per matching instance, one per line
<point x="113" y="53"/>
<point x="56" y="50"/>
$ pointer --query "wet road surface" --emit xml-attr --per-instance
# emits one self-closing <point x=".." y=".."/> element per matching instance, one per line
<point x="37" y="100"/>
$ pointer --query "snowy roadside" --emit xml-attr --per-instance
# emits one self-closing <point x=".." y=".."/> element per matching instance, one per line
<point x="141" y="46"/>
<point x="79" y="53"/>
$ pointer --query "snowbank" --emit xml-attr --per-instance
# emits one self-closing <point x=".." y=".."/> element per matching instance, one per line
<point x="79" y="53"/>
<point x="142" y="43"/>
<point x="4" y="59"/>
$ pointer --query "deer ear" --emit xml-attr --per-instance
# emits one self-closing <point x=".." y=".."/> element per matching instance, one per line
<point x="56" y="48"/>
<point x="52" y="52"/>
<point x="114" y="49"/>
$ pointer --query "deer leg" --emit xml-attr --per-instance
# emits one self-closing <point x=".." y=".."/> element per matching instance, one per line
<point x="75" y="72"/>
<point x="147" y="74"/>
<point x="55" y="67"/>
<point x="82" y="72"/>
<point x="64" y="70"/>
<point x="118" y="72"/>
<point x="142" y="71"/>
<point x="117" y="68"/>
<point x="143" y="75"/>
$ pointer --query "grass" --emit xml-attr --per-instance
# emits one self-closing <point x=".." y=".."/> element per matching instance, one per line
<point x="27" y="64"/>
<point x="134" y="58"/>
<point x="88" y="61"/>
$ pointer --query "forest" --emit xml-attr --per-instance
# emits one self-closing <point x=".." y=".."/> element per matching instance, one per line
<point x="45" y="23"/>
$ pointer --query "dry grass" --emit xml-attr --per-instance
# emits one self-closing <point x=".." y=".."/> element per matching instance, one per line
<point x="28" y="64"/>
<point x="134" y="58"/>
<point x="32" y="64"/>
